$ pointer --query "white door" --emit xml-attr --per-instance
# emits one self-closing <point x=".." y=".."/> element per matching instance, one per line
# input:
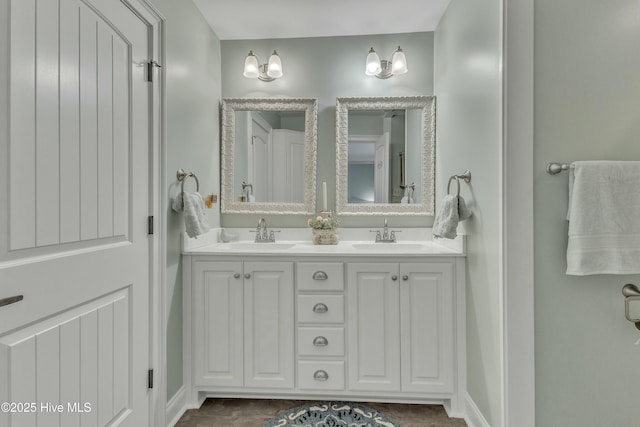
<point x="287" y="177"/>
<point x="381" y="169"/>
<point x="259" y="165"/>
<point x="74" y="199"/>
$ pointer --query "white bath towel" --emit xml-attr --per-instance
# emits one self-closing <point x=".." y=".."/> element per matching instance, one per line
<point x="195" y="219"/>
<point x="452" y="210"/>
<point x="604" y="218"/>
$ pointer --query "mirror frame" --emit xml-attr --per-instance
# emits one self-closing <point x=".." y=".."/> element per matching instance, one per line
<point x="228" y="108"/>
<point x="428" y="132"/>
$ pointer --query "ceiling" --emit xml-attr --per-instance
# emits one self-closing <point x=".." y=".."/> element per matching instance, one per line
<point x="267" y="19"/>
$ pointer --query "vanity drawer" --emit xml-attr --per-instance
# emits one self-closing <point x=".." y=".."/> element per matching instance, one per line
<point x="320" y="276"/>
<point x="320" y="341"/>
<point x="321" y="308"/>
<point x="317" y="375"/>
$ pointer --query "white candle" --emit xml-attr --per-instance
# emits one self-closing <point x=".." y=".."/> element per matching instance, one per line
<point x="324" y="196"/>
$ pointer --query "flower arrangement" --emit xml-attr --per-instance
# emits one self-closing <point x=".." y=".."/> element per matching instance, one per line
<point x="323" y="223"/>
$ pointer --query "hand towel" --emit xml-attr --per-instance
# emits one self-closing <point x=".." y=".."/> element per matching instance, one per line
<point x="452" y="210"/>
<point x="604" y="218"/>
<point x="195" y="219"/>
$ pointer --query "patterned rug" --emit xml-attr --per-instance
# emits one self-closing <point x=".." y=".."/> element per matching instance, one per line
<point x="332" y="414"/>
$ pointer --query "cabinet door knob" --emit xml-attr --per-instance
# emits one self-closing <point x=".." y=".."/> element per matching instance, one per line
<point x="247" y="275"/>
<point x="320" y="308"/>
<point x="394" y="277"/>
<point x="320" y="341"/>
<point x="237" y="275"/>
<point x="405" y="277"/>
<point x="320" y="275"/>
<point x="320" y="375"/>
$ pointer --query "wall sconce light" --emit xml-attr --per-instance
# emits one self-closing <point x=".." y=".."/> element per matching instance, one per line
<point x="385" y="69"/>
<point x="268" y="72"/>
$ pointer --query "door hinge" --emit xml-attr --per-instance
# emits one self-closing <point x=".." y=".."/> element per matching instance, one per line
<point x="150" y="379"/>
<point x="150" y="225"/>
<point x="150" y="66"/>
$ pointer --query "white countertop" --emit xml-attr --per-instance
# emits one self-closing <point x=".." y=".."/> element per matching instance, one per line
<point x="353" y="242"/>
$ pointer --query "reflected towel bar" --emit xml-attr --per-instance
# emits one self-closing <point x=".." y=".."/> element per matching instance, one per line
<point x="555" y="168"/>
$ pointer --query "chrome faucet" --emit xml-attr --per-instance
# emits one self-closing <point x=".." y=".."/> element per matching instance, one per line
<point x="262" y="234"/>
<point x="385" y="236"/>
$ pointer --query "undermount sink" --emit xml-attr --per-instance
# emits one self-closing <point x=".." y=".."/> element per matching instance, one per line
<point x="258" y="246"/>
<point x="387" y="246"/>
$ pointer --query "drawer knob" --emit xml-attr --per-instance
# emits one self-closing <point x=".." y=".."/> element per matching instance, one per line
<point x="394" y="277"/>
<point x="320" y="341"/>
<point x="247" y="276"/>
<point x="320" y="275"/>
<point x="320" y="375"/>
<point x="405" y="277"/>
<point x="237" y="275"/>
<point x="320" y="308"/>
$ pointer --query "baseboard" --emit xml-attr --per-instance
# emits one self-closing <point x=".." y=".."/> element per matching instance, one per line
<point x="474" y="417"/>
<point x="176" y="407"/>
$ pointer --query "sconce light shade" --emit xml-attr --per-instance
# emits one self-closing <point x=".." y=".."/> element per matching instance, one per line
<point x="251" y="66"/>
<point x="268" y="72"/>
<point x="399" y="62"/>
<point x="384" y="69"/>
<point x="274" y="68"/>
<point x="373" y="63"/>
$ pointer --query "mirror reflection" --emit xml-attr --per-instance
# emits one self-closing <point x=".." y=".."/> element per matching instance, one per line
<point x="268" y="155"/>
<point x="385" y="155"/>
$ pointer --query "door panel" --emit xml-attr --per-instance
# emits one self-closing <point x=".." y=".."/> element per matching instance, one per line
<point x="73" y="212"/>
<point x="269" y="330"/>
<point x="374" y="327"/>
<point x="217" y="300"/>
<point x="426" y="304"/>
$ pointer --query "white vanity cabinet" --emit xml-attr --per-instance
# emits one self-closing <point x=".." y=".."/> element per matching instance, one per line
<point x="387" y="327"/>
<point x="242" y="324"/>
<point x="401" y="327"/>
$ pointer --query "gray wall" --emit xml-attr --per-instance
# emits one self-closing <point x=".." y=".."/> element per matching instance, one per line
<point x="192" y="70"/>
<point x="468" y="91"/>
<point x="327" y="68"/>
<point x="587" y="81"/>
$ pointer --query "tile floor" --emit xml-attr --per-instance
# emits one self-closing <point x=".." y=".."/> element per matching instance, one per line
<point x="254" y="413"/>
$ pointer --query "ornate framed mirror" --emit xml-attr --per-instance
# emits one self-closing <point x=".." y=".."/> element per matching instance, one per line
<point x="385" y="156"/>
<point x="268" y="159"/>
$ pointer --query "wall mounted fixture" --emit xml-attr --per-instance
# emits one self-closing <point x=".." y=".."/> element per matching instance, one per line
<point x="268" y="72"/>
<point x="384" y="69"/>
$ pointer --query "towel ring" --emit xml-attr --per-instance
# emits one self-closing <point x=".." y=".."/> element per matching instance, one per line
<point x="449" y="185"/>
<point x="182" y="177"/>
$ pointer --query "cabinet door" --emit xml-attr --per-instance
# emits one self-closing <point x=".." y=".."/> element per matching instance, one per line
<point x="217" y="323"/>
<point x="426" y="309"/>
<point x="374" y="326"/>
<point x="269" y="327"/>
